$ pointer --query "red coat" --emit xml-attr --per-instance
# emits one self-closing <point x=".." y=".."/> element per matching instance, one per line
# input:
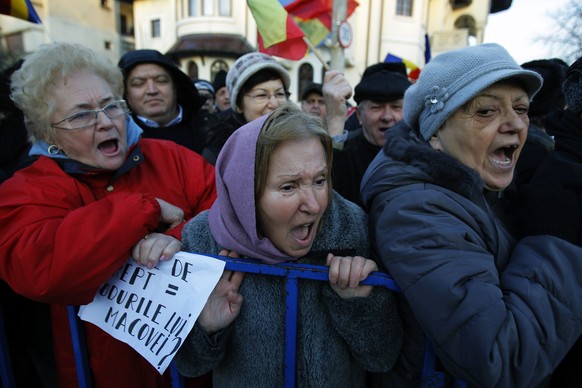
<point x="62" y="235"/>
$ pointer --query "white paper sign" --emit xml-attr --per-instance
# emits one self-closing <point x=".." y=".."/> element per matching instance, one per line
<point x="154" y="310"/>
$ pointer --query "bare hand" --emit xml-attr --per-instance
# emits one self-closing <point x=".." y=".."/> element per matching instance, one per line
<point x="336" y="93"/>
<point x="346" y="273"/>
<point x="155" y="247"/>
<point x="171" y="216"/>
<point x="223" y="304"/>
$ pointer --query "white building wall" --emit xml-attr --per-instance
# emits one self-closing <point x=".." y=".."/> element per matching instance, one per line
<point x="376" y="29"/>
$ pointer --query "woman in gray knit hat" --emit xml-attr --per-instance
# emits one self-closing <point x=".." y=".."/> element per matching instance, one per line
<point x="256" y="84"/>
<point x="499" y="311"/>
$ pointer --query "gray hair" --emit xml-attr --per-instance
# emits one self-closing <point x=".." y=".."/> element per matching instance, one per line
<point x="32" y="85"/>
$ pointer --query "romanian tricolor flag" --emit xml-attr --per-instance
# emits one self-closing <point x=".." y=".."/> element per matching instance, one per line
<point x="314" y="17"/>
<point x="283" y="24"/>
<point x="22" y="9"/>
<point x="412" y="69"/>
<point x="278" y="34"/>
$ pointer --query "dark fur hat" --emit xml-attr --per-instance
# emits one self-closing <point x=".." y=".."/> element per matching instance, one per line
<point x="572" y="87"/>
<point x="550" y="96"/>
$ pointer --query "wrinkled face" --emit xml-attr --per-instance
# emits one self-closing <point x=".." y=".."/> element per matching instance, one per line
<point x="222" y="99"/>
<point x="488" y="133"/>
<point x="376" y="117"/>
<point x="151" y="93"/>
<point x="295" y="196"/>
<point x="263" y="99"/>
<point x="314" y="104"/>
<point x="103" y="145"/>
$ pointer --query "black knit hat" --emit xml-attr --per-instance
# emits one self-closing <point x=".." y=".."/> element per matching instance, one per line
<point x="572" y="87"/>
<point x="550" y="96"/>
<point x="219" y="80"/>
<point x="187" y="92"/>
<point x="381" y="86"/>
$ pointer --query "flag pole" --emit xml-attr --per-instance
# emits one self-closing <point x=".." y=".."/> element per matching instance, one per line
<point x="338" y="16"/>
<point x="316" y="52"/>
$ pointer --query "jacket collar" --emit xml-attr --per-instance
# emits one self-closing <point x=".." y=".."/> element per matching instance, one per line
<point x="405" y="145"/>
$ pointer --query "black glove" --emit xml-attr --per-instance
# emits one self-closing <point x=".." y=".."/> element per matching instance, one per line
<point x="547" y="210"/>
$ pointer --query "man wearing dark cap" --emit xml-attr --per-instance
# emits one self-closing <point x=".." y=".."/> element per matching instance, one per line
<point x="379" y="96"/>
<point x="550" y="97"/>
<point x="561" y="170"/>
<point x="312" y="100"/>
<point x="221" y="92"/>
<point x="163" y="100"/>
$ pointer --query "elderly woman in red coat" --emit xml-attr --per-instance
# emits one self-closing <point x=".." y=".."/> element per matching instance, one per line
<point x="96" y="195"/>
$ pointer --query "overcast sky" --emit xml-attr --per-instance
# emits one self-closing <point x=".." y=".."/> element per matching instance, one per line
<point x="517" y="28"/>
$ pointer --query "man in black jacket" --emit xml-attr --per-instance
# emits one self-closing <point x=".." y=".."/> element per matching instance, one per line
<point x="379" y="96"/>
<point x="163" y="100"/>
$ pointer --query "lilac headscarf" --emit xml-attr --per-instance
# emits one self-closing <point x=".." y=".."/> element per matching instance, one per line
<point x="232" y="217"/>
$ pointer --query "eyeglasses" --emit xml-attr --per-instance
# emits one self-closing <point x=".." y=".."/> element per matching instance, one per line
<point x="263" y="98"/>
<point x="88" y="118"/>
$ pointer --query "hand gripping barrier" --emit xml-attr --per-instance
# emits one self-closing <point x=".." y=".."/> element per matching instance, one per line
<point x="292" y="272"/>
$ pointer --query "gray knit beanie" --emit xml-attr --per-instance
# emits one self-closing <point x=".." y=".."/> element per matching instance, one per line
<point x="247" y="66"/>
<point x="454" y="78"/>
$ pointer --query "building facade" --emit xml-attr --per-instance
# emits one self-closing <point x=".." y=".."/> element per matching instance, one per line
<point x="205" y="36"/>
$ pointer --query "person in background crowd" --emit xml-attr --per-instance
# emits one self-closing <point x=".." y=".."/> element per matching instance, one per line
<point x="560" y="172"/>
<point x="379" y="96"/>
<point x="538" y="143"/>
<point x="276" y="204"/>
<point x="222" y="97"/>
<point x="97" y="194"/>
<point x="27" y="323"/>
<point x="256" y="84"/>
<point x="14" y="145"/>
<point x="206" y="92"/>
<point x="163" y="100"/>
<point x="312" y="100"/>
<point x="208" y="111"/>
<point x="500" y="309"/>
<point x="352" y="122"/>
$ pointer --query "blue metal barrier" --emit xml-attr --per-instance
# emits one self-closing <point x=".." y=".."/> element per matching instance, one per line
<point x="291" y="271"/>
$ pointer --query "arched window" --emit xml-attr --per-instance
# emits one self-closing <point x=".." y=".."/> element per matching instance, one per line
<point x="305" y="78"/>
<point x="192" y="70"/>
<point x="216" y="67"/>
<point x="468" y="22"/>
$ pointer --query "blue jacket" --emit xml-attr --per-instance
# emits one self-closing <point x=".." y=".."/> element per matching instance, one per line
<point x="499" y="313"/>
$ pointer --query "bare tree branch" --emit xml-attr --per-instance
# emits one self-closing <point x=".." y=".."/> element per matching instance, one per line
<point x="566" y="40"/>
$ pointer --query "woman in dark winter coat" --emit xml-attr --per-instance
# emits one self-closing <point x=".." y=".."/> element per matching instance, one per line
<point x="498" y="312"/>
<point x="276" y="204"/>
<point x="97" y="195"/>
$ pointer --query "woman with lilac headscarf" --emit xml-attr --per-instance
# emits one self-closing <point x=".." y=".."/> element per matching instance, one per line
<point x="275" y="203"/>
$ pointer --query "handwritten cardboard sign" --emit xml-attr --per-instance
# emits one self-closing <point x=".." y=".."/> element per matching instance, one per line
<point x="154" y="310"/>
